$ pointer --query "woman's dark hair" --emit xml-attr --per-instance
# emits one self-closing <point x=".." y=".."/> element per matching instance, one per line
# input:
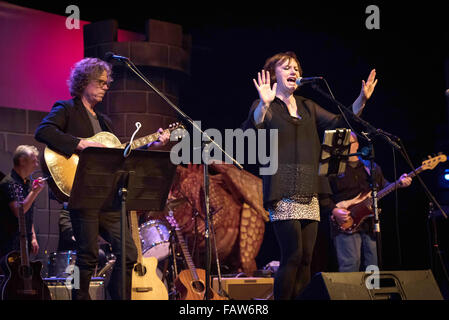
<point x="272" y="62"/>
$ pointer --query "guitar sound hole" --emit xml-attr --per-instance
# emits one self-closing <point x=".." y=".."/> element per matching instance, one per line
<point x="198" y="286"/>
<point x="140" y="269"/>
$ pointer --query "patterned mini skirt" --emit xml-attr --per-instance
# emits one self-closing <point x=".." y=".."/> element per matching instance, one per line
<point x="295" y="207"/>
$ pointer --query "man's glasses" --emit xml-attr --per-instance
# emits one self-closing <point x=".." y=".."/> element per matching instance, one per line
<point x="102" y="83"/>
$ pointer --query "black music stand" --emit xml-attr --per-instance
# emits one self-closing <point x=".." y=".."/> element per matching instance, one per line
<point x="105" y="180"/>
<point x="334" y="152"/>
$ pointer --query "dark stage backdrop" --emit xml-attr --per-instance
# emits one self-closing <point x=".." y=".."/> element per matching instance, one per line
<point x="230" y="43"/>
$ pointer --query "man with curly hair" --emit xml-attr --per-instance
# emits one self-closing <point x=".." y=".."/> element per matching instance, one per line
<point x="64" y="130"/>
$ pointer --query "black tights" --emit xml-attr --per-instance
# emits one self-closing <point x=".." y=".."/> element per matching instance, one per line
<point x="296" y="240"/>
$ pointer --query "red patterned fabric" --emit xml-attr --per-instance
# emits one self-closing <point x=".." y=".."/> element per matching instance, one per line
<point x="236" y="202"/>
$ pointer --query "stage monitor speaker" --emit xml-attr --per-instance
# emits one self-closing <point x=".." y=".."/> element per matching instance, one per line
<point x="392" y="285"/>
<point x="251" y="288"/>
<point x="60" y="291"/>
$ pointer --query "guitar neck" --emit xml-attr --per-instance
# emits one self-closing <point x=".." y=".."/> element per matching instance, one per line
<point x="25" y="260"/>
<point x="135" y="234"/>
<point x="393" y="186"/>
<point x="144" y="140"/>
<point x="186" y="253"/>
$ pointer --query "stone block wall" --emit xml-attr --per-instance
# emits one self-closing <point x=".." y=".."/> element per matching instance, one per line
<point x="164" y="59"/>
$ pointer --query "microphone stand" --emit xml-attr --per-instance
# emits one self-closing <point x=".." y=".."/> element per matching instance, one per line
<point x="390" y="139"/>
<point x="370" y="157"/>
<point x="209" y="140"/>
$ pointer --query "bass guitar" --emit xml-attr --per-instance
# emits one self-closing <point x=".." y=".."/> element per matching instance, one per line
<point x="23" y="278"/>
<point x="145" y="284"/>
<point x="360" y="206"/>
<point x="191" y="283"/>
<point x="63" y="169"/>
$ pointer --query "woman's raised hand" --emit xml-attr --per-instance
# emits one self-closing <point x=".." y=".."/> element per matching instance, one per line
<point x="266" y="92"/>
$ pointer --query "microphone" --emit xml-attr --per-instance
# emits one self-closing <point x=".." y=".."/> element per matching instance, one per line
<point x="111" y="56"/>
<point x="389" y="135"/>
<point x="300" y="81"/>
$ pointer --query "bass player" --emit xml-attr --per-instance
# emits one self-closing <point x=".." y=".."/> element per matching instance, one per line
<point x="358" y="250"/>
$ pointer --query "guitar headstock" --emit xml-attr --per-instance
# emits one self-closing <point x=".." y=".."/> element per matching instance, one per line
<point x="432" y="162"/>
<point x="175" y="125"/>
<point x="180" y="129"/>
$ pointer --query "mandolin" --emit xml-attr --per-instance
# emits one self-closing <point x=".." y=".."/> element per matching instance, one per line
<point x="23" y="278"/>
<point x="63" y="169"/>
<point x="191" y="283"/>
<point x="360" y="206"/>
<point x="145" y="283"/>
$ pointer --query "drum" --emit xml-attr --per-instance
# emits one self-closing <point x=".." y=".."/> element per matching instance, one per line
<point x="155" y="238"/>
<point x="60" y="264"/>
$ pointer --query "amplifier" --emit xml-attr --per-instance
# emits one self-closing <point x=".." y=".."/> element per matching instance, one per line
<point x="246" y="288"/>
<point x="59" y="290"/>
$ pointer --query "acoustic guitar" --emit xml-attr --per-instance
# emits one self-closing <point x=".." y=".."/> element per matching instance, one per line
<point x="23" y="278"/>
<point x="360" y="206"/>
<point x="63" y="169"/>
<point x="191" y="283"/>
<point x="145" y="283"/>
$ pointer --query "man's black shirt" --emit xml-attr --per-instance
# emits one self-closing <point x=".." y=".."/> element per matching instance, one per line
<point x="9" y="224"/>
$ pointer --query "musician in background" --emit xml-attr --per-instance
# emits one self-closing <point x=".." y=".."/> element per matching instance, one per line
<point x="356" y="251"/>
<point x="64" y="130"/>
<point x="25" y="162"/>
